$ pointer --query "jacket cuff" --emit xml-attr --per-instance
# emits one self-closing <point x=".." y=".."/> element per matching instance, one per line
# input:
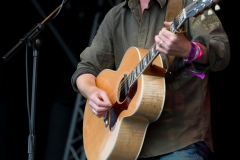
<point x="76" y="74"/>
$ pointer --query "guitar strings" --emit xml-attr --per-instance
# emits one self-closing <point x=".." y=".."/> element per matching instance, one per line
<point x="122" y="82"/>
<point x="127" y="79"/>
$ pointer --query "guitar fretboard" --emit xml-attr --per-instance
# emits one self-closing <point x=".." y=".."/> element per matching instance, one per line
<point x="153" y="53"/>
<point x="142" y="65"/>
<point x="194" y="9"/>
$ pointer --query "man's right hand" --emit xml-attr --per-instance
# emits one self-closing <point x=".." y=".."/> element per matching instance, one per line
<point x="98" y="99"/>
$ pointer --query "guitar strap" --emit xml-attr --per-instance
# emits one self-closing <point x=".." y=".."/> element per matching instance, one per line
<point x="173" y="9"/>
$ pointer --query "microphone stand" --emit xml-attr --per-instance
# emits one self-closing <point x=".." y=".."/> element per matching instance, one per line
<point x="32" y="38"/>
<point x="36" y="44"/>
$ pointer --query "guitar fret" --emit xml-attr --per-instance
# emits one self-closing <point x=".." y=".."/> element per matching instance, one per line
<point x="149" y="57"/>
<point x="134" y="73"/>
<point x="151" y="54"/>
<point x="129" y="82"/>
<point x="144" y="62"/>
<point x="182" y="18"/>
<point x="131" y="77"/>
<point x="141" y="64"/>
<point x="138" y="69"/>
<point x="154" y="53"/>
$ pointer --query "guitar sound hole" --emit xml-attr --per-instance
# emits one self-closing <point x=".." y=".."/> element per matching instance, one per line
<point x="117" y="108"/>
<point x="122" y="95"/>
<point x="123" y="89"/>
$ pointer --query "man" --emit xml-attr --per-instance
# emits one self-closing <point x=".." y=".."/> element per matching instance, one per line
<point x="183" y="130"/>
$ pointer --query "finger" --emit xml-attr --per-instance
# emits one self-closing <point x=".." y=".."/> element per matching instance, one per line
<point x="100" y="98"/>
<point x="98" y="111"/>
<point x="105" y="99"/>
<point x="98" y="106"/>
<point x="161" y="43"/>
<point x="163" y="35"/>
<point x="99" y="103"/>
<point x="158" y="39"/>
<point x="98" y="114"/>
<point x="167" y="24"/>
<point x="169" y="35"/>
<point x="94" y="111"/>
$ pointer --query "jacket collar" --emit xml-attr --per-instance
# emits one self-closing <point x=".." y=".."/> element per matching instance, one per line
<point x="133" y="3"/>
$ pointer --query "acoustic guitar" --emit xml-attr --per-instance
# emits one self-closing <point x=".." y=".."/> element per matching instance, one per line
<point x="137" y="91"/>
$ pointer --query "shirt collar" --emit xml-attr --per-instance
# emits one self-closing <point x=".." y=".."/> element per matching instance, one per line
<point x="133" y="3"/>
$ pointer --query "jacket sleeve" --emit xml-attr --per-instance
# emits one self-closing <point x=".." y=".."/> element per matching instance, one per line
<point x="210" y="33"/>
<point x="99" y="55"/>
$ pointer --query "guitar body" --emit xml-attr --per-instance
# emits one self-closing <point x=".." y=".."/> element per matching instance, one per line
<point x="143" y="105"/>
<point x="137" y="96"/>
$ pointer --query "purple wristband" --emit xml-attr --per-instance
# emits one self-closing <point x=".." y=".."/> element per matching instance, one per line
<point x="198" y="74"/>
<point x="191" y="54"/>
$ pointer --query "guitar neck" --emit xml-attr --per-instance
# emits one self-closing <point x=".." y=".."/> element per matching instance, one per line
<point x="192" y="10"/>
<point x="153" y="53"/>
<point x="142" y="65"/>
